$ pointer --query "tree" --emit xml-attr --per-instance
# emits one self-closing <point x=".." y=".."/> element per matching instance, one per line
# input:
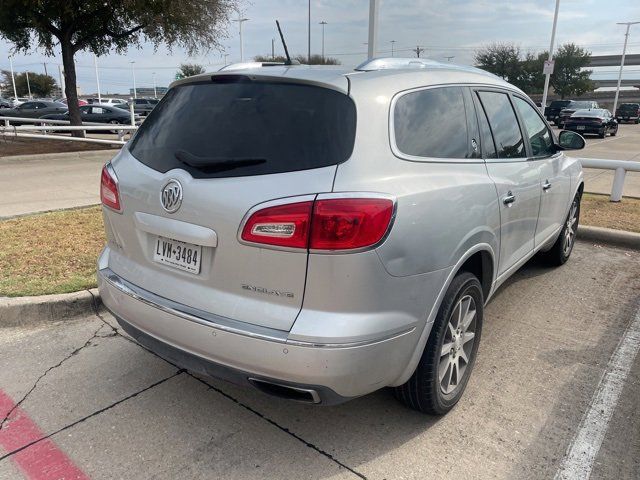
<point x="189" y="70"/>
<point x="41" y="85"/>
<point x="100" y="26"/>
<point x="568" y="78"/>
<point x="315" y="59"/>
<point x="503" y="60"/>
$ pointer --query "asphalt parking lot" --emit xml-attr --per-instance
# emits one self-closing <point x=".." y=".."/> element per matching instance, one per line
<point x="84" y="401"/>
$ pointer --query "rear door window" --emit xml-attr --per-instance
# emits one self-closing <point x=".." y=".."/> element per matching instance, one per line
<point x="237" y="127"/>
<point x="432" y="123"/>
<point x="504" y="124"/>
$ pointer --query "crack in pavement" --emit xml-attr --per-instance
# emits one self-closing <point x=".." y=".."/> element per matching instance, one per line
<point x="229" y="397"/>
<point x="87" y="417"/>
<point x="35" y="384"/>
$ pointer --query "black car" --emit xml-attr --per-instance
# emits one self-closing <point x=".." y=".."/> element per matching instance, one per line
<point x="552" y="112"/>
<point x="595" y="120"/>
<point x="98" y="114"/>
<point x="143" y="106"/>
<point x="34" y="109"/>
<point x="628" y="112"/>
<point x="573" y="107"/>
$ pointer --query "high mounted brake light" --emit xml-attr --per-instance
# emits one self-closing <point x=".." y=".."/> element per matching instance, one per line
<point x="326" y="224"/>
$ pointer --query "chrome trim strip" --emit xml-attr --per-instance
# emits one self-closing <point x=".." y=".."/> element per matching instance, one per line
<point x="222" y="323"/>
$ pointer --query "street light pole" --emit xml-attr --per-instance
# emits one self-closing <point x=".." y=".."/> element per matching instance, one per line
<point x="240" y="21"/>
<point x="373" y="28"/>
<point x="63" y="88"/>
<point x="133" y="70"/>
<point x="28" y="85"/>
<point x="624" y="53"/>
<point x="309" y="34"/>
<point x="392" y="45"/>
<point x="95" y="64"/>
<point x="155" y="89"/>
<point x="547" y="75"/>
<point x="13" y="80"/>
<point x="323" y="23"/>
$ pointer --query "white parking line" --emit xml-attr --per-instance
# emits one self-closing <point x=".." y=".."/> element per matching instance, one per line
<point x="582" y="451"/>
<point x="610" y="139"/>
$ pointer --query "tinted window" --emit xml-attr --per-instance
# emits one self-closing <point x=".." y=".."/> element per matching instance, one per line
<point x="28" y="105"/>
<point x="539" y="135"/>
<point x="504" y="124"/>
<point x="85" y="109"/>
<point x="432" y="123"/>
<point x="488" y="147"/>
<point x="264" y="127"/>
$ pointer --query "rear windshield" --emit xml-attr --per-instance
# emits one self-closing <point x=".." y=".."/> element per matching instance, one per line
<point x="234" y="128"/>
<point x="559" y="103"/>
<point x="577" y="105"/>
<point x="630" y="106"/>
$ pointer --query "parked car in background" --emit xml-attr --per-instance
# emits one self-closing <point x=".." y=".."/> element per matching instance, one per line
<point x="16" y="102"/>
<point x="35" y="109"/>
<point x="80" y="102"/>
<point x="113" y="102"/>
<point x="143" y="106"/>
<point x="628" y="112"/>
<point x="552" y="112"/>
<point x="318" y="234"/>
<point x="4" y="103"/>
<point x="597" y="121"/>
<point x="98" y="114"/>
<point x="571" y="108"/>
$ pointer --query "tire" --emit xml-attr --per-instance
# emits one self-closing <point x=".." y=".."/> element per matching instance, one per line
<point x="425" y="391"/>
<point x="560" y="252"/>
<point x="114" y="122"/>
<point x="615" y="132"/>
<point x="603" y="133"/>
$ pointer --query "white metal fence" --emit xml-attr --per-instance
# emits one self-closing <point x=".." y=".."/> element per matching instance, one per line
<point x="45" y="126"/>
<point x="621" y="168"/>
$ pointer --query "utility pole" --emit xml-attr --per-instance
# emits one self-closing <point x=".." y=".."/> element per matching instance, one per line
<point x="133" y="71"/>
<point x="45" y="68"/>
<point x="392" y="45"/>
<point x="549" y="69"/>
<point x="372" y="47"/>
<point x="28" y="85"/>
<point x="624" y="53"/>
<point x="95" y="66"/>
<point x="273" y="49"/>
<point x="418" y="50"/>
<point x="240" y="21"/>
<point x="225" y="55"/>
<point x="13" y="80"/>
<point x="323" y="23"/>
<point x="309" y="35"/>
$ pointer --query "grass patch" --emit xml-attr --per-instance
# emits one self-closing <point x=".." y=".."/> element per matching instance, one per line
<point x="598" y="211"/>
<point x="51" y="252"/>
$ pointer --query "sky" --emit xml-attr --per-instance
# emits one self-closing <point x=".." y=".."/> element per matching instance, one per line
<point x="444" y="28"/>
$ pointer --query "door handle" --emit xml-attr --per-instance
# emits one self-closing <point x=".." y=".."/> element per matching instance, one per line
<point x="546" y="185"/>
<point x="509" y="199"/>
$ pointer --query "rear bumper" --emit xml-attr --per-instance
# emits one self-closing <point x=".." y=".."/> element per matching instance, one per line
<point x="244" y="354"/>
<point x="587" y="128"/>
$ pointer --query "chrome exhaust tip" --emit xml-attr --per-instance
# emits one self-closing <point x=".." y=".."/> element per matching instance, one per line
<point x="297" y="394"/>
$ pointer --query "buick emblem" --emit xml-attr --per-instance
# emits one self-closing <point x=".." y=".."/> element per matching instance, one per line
<point x="171" y="196"/>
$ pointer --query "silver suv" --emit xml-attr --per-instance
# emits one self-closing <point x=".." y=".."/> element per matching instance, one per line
<point x="321" y="233"/>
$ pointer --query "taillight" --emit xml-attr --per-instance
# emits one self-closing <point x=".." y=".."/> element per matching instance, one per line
<point x="348" y="223"/>
<point x="109" y="194"/>
<point x="281" y="225"/>
<point x="327" y="224"/>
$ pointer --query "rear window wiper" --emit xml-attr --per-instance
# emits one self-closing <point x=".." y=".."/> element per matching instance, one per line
<point x="217" y="164"/>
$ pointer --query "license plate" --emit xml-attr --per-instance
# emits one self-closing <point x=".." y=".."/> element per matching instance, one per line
<point x="176" y="254"/>
<point x="581" y="127"/>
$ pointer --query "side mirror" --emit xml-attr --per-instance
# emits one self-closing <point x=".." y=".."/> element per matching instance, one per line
<point x="569" y="140"/>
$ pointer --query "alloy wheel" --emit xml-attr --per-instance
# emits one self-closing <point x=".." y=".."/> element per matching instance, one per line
<point x="457" y="346"/>
<point x="570" y="229"/>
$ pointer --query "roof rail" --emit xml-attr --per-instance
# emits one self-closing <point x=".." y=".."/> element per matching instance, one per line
<point x="399" y="63"/>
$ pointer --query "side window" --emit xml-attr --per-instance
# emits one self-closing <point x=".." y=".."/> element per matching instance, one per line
<point x="97" y="110"/>
<point x="85" y="109"/>
<point x="504" y="124"/>
<point x="488" y="147"/>
<point x="538" y="132"/>
<point x="432" y="123"/>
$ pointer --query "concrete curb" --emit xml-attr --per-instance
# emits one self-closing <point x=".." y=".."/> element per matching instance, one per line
<point x="27" y="311"/>
<point x="608" y="236"/>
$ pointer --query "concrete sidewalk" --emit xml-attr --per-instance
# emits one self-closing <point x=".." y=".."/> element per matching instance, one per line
<point x="37" y="183"/>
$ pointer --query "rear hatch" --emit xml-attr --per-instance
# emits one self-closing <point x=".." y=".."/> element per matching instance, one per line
<point x="231" y="143"/>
